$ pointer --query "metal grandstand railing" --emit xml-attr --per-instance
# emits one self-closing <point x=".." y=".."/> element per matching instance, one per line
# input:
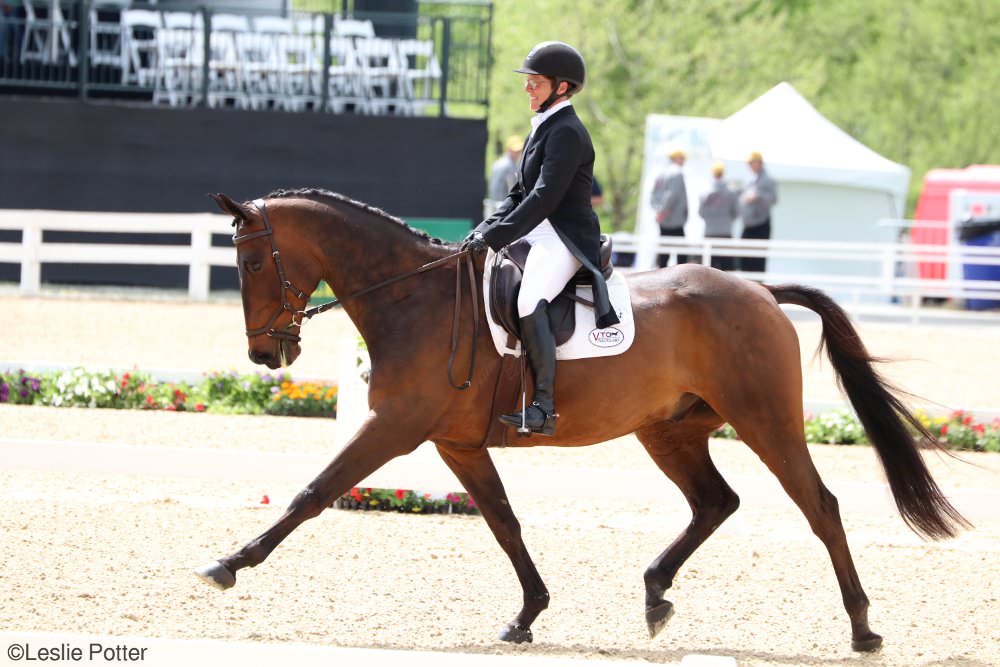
<point x="430" y="60"/>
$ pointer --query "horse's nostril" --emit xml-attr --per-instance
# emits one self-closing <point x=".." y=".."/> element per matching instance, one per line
<point x="259" y="357"/>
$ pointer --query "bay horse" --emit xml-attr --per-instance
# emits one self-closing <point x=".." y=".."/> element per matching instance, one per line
<point x="710" y="348"/>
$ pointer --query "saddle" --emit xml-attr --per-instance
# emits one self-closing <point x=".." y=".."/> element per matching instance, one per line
<point x="505" y="284"/>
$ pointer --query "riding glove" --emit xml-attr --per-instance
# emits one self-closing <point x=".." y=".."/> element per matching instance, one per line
<point x="475" y="243"/>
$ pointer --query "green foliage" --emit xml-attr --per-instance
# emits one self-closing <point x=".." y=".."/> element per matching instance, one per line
<point x="837" y="427"/>
<point x="223" y="392"/>
<point x="406" y="501"/>
<point x="19" y="388"/>
<point x="80" y="388"/>
<point x="230" y="392"/>
<point x="304" y="400"/>
<point x="917" y="82"/>
<point x="960" y="430"/>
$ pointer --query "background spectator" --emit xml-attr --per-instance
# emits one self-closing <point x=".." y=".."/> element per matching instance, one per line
<point x="719" y="207"/>
<point x="596" y="194"/>
<point x="503" y="175"/>
<point x="759" y="196"/>
<point x="10" y="29"/>
<point x="669" y="201"/>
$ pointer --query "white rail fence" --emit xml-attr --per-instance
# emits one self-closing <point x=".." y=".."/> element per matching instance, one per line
<point x="33" y="251"/>
<point x="879" y="272"/>
<point x="873" y="272"/>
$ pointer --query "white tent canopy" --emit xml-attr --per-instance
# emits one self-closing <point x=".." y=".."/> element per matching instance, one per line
<point x="830" y="186"/>
<point x="800" y="145"/>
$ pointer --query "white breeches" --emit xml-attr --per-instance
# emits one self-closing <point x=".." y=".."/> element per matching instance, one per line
<point x="548" y="268"/>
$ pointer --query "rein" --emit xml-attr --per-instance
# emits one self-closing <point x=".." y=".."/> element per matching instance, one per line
<point x="285" y="285"/>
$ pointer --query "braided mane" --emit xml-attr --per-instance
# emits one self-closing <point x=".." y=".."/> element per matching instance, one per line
<point x="325" y="196"/>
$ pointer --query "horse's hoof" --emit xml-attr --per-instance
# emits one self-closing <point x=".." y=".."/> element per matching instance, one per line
<point x="657" y="617"/>
<point x="216" y="574"/>
<point x="868" y="643"/>
<point x="516" y="634"/>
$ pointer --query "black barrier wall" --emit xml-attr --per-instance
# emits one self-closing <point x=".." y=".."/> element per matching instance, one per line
<point x="71" y="155"/>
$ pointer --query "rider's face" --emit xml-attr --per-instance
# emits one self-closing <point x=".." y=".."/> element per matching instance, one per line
<point x="538" y="88"/>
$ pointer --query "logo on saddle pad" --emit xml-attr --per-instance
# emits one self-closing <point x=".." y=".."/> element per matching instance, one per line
<point x="609" y="337"/>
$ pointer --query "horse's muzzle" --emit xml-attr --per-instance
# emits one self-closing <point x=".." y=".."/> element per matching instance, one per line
<point x="283" y="353"/>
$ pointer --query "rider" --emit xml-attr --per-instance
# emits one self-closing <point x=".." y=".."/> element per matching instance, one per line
<point x="549" y="207"/>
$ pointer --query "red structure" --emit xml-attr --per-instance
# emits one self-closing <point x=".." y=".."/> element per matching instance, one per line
<point x="932" y="207"/>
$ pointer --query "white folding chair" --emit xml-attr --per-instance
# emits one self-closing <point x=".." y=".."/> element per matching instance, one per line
<point x="304" y="66"/>
<point x="346" y="77"/>
<point x="107" y="38"/>
<point x="264" y="57"/>
<point x="225" y="69"/>
<point x="179" y="58"/>
<point x="421" y="71"/>
<point x="36" y="33"/>
<point x="140" y="30"/>
<point x="45" y="37"/>
<point x="353" y="28"/>
<point x="380" y="73"/>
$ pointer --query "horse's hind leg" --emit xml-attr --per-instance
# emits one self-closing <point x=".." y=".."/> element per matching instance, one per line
<point x="784" y="452"/>
<point x="681" y="452"/>
<point x="476" y="472"/>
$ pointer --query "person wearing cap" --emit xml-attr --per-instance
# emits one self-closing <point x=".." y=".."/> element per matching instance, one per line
<point x="503" y="175"/>
<point x="550" y="207"/>
<point x="669" y="201"/>
<point x="758" y="197"/>
<point x="719" y="207"/>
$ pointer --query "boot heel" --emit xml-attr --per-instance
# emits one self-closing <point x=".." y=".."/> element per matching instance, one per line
<point x="548" y="426"/>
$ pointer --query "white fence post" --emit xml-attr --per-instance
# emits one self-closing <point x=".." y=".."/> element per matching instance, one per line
<point x="199" y="274"/>
<point x="31" y="267"/>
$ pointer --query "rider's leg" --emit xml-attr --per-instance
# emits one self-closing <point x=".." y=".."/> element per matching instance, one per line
<point x="547" y="269"/>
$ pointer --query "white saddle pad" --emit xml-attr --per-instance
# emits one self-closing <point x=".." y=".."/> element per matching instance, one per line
<point x="587" y="340"/>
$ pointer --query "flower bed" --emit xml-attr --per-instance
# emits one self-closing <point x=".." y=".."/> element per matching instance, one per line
<point x="217" y="392"/>
<point x="278" y="394"/>
<point x="959" y="430"/>
<point x="408" y="502"/>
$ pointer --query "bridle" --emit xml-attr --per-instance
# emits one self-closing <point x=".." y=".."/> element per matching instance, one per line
<point x="285" y="286"/>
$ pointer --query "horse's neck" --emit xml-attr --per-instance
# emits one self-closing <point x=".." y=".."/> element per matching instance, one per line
<point x="370" y="249"/>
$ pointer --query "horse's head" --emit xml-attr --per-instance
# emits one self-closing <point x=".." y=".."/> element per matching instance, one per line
<point x="272" y="304"/>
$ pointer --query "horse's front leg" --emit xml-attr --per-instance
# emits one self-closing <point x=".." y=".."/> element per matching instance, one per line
<point x="476" y="472"/>
<point x="380" y="439"/>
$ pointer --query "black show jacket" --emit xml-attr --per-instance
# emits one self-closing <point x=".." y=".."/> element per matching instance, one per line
<point x="554" y="182"/>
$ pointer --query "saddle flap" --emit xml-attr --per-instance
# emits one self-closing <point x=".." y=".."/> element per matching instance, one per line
<point x="505" y="284"/>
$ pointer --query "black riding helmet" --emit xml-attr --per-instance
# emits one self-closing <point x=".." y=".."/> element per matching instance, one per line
<point x="559" y="61"/>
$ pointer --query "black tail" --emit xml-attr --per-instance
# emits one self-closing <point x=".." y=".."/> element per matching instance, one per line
<point x="888" y="422"/>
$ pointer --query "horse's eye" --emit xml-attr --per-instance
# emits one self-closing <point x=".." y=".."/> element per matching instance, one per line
<point x="253" y="267"/>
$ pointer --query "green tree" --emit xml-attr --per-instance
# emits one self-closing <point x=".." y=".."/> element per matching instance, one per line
<point x="916" y="82"/>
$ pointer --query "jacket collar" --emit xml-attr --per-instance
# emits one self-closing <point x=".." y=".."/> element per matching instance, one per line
<point x="540" y="118"/>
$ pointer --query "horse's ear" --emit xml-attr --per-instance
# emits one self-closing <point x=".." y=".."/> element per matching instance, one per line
<point x="231" y="207"/>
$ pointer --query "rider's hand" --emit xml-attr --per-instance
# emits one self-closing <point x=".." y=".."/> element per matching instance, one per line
<point x="475" y="243"/>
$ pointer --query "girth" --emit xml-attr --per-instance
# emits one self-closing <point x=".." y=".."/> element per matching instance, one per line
<point x="505" y="284"/>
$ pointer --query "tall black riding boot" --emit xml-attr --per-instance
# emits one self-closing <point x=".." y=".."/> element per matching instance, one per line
<point x="540" y="345"/>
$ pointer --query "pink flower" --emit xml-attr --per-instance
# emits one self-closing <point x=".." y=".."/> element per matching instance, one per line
<point x="944" y="429"/>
